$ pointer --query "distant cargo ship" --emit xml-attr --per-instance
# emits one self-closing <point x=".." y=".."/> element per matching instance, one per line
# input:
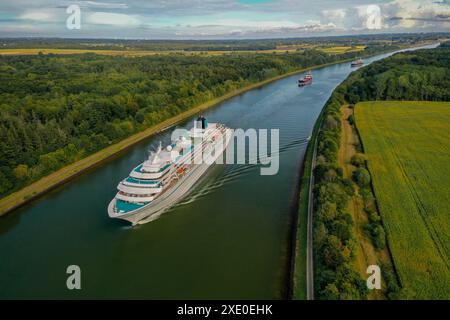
<point x="357" y="63"/>
<point x="307" y="79"/>
<point x="168" y="174"/>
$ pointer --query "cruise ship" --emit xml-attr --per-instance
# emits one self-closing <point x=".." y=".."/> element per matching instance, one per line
<point x="168" y="174"/>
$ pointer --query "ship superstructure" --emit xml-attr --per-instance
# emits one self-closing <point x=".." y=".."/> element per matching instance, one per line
<point x="307" y="79"/>
<point x="169" y="173"/>
<point x="357" y="63"/>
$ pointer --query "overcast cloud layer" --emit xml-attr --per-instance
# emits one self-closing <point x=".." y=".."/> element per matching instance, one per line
<point x="208" y="19"/>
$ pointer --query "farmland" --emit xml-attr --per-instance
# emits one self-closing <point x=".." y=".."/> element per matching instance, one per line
<point x="341" y="49"/>
<point x="139" y="53"/>
<point x="142" y="53"/>
<point x="408" y="151"/>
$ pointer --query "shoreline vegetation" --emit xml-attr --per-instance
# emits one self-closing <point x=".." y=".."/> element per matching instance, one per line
<point x="299" y="269"/>
<point x="418" y="75"/>
<point x="368" y="229"/>
<point x="40" y="187"/>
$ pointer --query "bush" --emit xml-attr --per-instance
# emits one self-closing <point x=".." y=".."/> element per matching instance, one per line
<point x="330" y="175"/>
<point x="351" y="119"/>
<point x="378" y="237"/>
<point x="342" y="230"/>
<point x="391" y="281"/>
<point x="362" y="177"/>
<point x="331" y="123"/>
<point x="330" y="292"/>
<point x="374" y="217"/>
<point x="357" y="160"/>
<point x="327" y="211"/>
<point x="358" y="146"/>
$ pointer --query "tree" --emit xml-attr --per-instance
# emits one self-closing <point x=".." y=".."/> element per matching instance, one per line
<point x="5" y="183"/>
<point x="332" y="252"/>
<point x="139" y="117"/>
<point x="21" y="172"/>
<point x="320" y="235"/>
<point x="330" y="175"/>
<point x="327" y="211"/>
<point x="351" y="119"/>
<point x="357" y="160"/>
<point x="330" y="292"/>
<point x="362" y="177"/>
<point x="378" y="236"/>
<point x="342" y="230"/>
<point x="330" y="123"/>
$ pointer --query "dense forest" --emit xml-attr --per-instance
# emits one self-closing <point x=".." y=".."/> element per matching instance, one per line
<point x="422" y="75"/>
<point x="418" y="75"/>
<point x="55" y="110"/>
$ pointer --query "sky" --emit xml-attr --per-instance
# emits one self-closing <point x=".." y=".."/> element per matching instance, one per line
<point x="218" y="19"/>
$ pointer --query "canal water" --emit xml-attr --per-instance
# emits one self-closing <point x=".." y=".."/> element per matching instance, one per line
<point x="228" y="239"/>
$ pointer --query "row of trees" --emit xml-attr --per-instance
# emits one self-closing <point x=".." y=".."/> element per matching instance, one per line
<point x="334" y="242"/>
<point x="419" y="75"/>
<point x="55" y="109"/>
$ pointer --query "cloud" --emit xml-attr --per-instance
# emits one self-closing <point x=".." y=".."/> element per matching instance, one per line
<point x="336" y="15"/>
<point x="263" y="24"/>
<point x="370" y="16"/>
<point x="39" y="15"/>
<point x="360" y="17"/>
<point x="113" y="19"/>
<point x="225" y="18"/>
<point x="255" y="29"/>
<point x="395" y="14"/>
<point x="418" y="13"/>
<point x="105" y="4"/>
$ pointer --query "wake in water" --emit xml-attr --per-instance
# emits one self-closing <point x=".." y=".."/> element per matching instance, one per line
<point x="233" y="173"/>
<point x="230" y="174"/>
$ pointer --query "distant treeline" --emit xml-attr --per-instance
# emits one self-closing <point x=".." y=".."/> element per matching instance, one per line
<point x="55" y="110"/>
<point x="212" y="45"/>
<point x="418" y="75"/>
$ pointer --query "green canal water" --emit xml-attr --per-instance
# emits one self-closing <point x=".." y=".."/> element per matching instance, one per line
<point x="228" y="239"/>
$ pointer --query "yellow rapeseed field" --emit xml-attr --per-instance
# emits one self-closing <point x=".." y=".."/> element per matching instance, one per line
<point x="408" y="149"/>
<point x="342" y="49"/>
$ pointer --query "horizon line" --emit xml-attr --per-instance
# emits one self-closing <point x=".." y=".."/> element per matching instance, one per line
<point x="227" y="39"/>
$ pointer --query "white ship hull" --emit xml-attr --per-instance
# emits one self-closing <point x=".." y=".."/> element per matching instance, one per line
<point x="170" y="196"/>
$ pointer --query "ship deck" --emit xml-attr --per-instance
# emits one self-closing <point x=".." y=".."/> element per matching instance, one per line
<point x="125" y="207"/>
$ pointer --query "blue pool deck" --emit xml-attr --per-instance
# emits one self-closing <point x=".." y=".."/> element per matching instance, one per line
<point x="124" y="207"/>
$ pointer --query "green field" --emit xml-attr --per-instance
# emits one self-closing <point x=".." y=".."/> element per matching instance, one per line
<point x="408" y="149"/>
